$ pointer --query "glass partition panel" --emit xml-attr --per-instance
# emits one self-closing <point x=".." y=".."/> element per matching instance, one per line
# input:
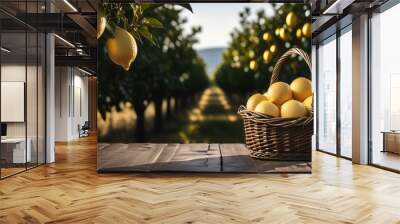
<point x="22" y="64"/>
<point x="41" y="99"/>
<point x="326" y="99"/>
<point x="14" y="145"/>
<point x="385" y="89"/>
<point x="346" y="93"/>
<point x="32" y="98"/>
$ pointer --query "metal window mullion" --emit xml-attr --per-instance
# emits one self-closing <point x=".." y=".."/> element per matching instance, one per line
<point x="26" y="86"/>
<point x="369" y="96"/>
<point x="317" y="97"/>
<point x="45" y="94"/>
<point x="37" y="90"/>
<point x="338" y="95"/>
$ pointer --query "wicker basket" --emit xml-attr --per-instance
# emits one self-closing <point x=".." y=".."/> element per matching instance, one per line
<point x="272" y="138"/>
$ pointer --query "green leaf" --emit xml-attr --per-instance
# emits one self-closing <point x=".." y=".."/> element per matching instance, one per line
<point x="129" y="13"/>
<point x="153" y="22"/>
<point x="150" y="6"/>
<point x="144" y="31"/>
<point x="186" y="6"/>
<point x="136" y="35"/>
<point x="111" y="26"/>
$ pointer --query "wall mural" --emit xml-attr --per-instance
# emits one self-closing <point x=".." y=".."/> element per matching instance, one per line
<point x="172" y="78"/>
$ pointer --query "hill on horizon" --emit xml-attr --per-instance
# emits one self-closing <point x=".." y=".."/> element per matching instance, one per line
<point x="212" y="58"/>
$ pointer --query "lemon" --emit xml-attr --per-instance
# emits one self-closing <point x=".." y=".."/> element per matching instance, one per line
<point x="101" y="25"/>
<point x="267" y="108"/>
<point x="267" y="56"/>
<point x="273" y="48"/>
<point x="254" y="100"/>
<point x="301" y="88"/>
<point x="253" y="65"/>
<point x="277" y="31"/>
<point x="251" y="54"/>
<point x="112" y="49"/>
<point x="278" y="93"/>
<point x="291" y="19"/>
<point x="298" y="33"/>
<point x="307" y="30"/>
<point x="267" y="37"/>
<point x="308" y="103"/>
<point x="293" y="109"/>
<point x="284" y="34"/>
<point x="122" y="49"/>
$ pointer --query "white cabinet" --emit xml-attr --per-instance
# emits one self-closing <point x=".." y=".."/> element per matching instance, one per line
<point x="17" y="148"/>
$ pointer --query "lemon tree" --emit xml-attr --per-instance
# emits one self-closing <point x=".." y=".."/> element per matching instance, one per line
<point x="267" y="37"/>
<point x="164" y="68"/>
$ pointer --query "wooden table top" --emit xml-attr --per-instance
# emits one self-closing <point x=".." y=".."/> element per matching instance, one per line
<point x="197" y="158"/>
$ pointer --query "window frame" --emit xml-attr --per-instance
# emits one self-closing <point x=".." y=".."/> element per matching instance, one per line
<point x="380" y="9"/>
<point x="339" y="32"/>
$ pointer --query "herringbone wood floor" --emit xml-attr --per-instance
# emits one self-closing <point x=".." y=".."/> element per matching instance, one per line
<point x="70" y="191"/>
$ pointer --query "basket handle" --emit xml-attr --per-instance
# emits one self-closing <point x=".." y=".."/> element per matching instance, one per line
<point x="291" y="52"/>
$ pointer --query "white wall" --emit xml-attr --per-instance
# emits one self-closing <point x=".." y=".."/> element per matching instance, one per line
<point x="61" y="103"/>
<point x="15" y="73"/>
<point x="71" y="102"/>
<point x="33" y="126"/>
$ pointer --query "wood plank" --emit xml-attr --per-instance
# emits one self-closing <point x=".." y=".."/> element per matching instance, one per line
<point x="103" y="155"/>
<point x="167" y="155"/>
<point x="265" y="166"/>
<point x="130" y="157"/>
<point x="189" y="158"/>
<point x="235" y="159"/>
<point x="101" y="146"/>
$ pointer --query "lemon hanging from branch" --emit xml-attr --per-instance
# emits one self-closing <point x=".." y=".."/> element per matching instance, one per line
<point x="267" y="56"/>
<point x="273" y="48"/>
<point x="252" y="54"/>
<point x="101" y="22"/>
<point x="307" y="30"/>
<point x="122" y="49"/>
<point x="291" y="20"/>
<point x="267" y="37"/>
<point x="298" y="33"/>
<point x="101" y="25"/>
<point x="253" y="65"/>
<point x="284" y="34"/>
<point x="277" y="31"/>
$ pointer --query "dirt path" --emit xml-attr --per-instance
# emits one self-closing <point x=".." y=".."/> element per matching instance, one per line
<point x="213" y="120"/>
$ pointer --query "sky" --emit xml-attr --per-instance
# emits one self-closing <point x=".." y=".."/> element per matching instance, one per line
<point x="218" y="20"/>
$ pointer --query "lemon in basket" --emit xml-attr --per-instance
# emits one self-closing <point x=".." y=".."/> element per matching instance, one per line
<point x="278" y="93"/>
<point x="254" y="100"/>
<point x="267" y="108"/>
<point x="301" y="88"/>
<point x="293" y="109"/>
<point x="308" y="102"/>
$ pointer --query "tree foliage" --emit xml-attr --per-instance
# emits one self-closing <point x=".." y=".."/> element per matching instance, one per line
<point x="245" y="69"/>
<point x="166" y="65"/>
